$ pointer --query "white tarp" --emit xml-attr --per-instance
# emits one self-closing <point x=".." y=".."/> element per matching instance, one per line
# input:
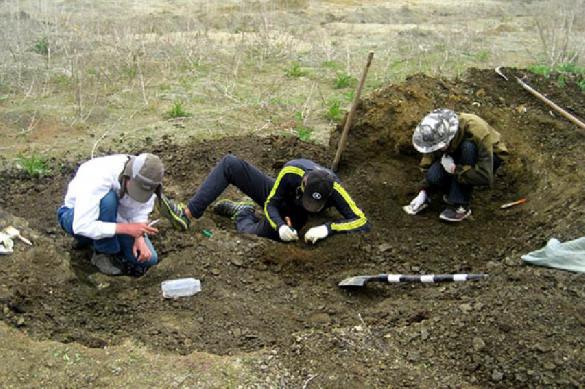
<point x="567" y="256"/>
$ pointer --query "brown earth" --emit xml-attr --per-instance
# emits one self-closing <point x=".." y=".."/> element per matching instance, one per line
<point x="523" y="326"/>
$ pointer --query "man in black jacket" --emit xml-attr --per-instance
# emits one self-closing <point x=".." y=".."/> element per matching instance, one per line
<point x="301" y="188"/>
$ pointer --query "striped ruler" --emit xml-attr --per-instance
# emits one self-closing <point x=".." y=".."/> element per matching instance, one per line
<point x="434" y="277"/>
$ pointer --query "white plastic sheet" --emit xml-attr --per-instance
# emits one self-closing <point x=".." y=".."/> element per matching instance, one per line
<point x="567" y="256"/>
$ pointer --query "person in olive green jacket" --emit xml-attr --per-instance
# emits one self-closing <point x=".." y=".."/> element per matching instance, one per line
<point x="460" y="151"/>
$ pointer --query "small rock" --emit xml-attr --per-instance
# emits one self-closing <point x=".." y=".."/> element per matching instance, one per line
<point x="415" y="268"/>
<point x="237" y="262"/>
<point x="478" y="343"/>
<point x="465" y="308"/>
<point x="497" y="376"/>
<point x="384" y="247"/>
<point x="20" y="322"/>
<point x="413" y="356"/>
<point x="424" y="334"/>
<point x="215" y="271"/>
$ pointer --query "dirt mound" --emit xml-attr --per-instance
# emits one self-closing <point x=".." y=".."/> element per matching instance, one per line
<point x="523" y="326"/>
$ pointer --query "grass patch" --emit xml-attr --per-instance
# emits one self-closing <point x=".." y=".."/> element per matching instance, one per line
<point x="295" y="71"/>
<point x="343" y="80"/>
<point x="331" y="65"/>
<point x="304" y="133"/>
<point x="41" y="46"/>
<point x="582" y="85"/>
<point x="334" y="111"/>
<point x="177" y="111"/>
<point x="33" y="165"/>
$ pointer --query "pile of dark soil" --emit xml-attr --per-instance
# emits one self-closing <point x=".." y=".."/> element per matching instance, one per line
<point x="522" y="326"/>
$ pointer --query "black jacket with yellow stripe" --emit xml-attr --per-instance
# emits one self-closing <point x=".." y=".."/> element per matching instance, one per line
<point x="285" y="200"/>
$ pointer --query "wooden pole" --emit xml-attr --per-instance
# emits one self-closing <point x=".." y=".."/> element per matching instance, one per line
<point x="548" y="102"/>
<point x="343" y="139"/>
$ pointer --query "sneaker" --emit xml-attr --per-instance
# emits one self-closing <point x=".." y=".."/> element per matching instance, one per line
<point x="455" y="215"/>
<point x="232" y="209"/>
<point x="107" y="264"/>
<point x="174" y="212"/>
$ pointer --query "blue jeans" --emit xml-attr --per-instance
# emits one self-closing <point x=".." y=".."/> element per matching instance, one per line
<point x="117" y="244"/>
<point x="457" y="193"/>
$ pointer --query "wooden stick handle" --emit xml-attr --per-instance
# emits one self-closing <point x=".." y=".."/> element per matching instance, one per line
<point x="349" y="119"/>
<point x="548" y="102"/>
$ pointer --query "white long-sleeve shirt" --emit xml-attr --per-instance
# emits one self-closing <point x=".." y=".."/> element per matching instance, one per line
<point x="93" y="180"/>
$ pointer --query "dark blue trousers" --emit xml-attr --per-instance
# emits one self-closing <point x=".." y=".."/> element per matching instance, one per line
<point x="247" y="178"/>
<point x="457" y="193"/>
<point x="117" y="244"/>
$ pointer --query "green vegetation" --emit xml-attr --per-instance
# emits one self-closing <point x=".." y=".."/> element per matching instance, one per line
<point x="343" y="80"/>
<point x="295" y="71"/>
<point x="33" y="165"/>
<point x="177" y="111"/>
<point x="41" y="46"/>
<point x="561" y="81"/>
<point x="334" y="111"/>
<point x="542" y="70"/>
<point x="304" y="133"/>
<point x="564" y="68"/>
<point x="331" y="65"/>
<point x="582" y="85"/>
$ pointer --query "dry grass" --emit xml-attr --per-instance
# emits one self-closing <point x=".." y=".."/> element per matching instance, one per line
<point x="118" y="68"/>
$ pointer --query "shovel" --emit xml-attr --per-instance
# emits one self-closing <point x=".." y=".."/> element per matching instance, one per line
<point x="360" y="281"/>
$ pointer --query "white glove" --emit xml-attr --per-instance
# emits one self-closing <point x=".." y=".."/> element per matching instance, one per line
<point x="420" y="202"/>
<point x="448" y="164"/>
<point x="287" y="234"/>
<point x="316" y="233"/>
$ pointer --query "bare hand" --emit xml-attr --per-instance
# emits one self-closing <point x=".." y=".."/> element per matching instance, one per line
<point x="135" y="229"/>
<point x="140" y="250"/>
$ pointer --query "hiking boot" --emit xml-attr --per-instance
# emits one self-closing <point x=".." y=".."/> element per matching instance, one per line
<point x="107" y="264"/>
<point x="174" y="212"/>
<point x="232" y="209"/>
<point x="455" y="215"/>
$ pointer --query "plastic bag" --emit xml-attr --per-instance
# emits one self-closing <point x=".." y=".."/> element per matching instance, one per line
<point x="567" y="256"/>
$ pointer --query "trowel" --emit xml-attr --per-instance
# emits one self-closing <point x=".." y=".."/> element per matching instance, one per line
<point x="360" y="281"/>
<point x="14" y="233"/>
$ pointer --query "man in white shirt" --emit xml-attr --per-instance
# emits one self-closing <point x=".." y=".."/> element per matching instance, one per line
<point x="107" y="206"/>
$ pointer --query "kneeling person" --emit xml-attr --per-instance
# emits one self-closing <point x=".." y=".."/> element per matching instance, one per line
<point x="107" y="206"/>
<point x="301" y="188"/>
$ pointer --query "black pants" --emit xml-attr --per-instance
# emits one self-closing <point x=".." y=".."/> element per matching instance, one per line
<point x="457" y="193"/>
<point x="248" y="179"/>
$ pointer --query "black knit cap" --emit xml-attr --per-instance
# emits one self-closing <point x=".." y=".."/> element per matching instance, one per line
<point x="318" y="189"/>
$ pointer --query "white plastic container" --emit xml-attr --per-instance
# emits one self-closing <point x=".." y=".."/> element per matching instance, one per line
<point x="182" y="287"/>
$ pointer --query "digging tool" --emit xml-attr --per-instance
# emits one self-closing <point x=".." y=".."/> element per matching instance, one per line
<point x="14" y="233"/>
<point x="513" y="203"/>
<point x="545" y="100"/>
<point x="350" y="115"/>
<point x="360" y="281"/>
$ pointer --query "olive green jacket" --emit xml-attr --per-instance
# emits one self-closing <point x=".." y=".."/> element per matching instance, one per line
<point x="488" y="142"/>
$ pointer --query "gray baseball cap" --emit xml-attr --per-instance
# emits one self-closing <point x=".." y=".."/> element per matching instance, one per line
<point x="145" y="173"/>
<point x="435" y="131"/>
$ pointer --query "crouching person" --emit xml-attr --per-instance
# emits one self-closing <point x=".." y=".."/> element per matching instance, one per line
<point x="460" y="151"/>
<point x="107" y="207"/>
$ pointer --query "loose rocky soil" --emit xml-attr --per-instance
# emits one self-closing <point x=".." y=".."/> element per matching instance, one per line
<point x="523" y="326"/>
